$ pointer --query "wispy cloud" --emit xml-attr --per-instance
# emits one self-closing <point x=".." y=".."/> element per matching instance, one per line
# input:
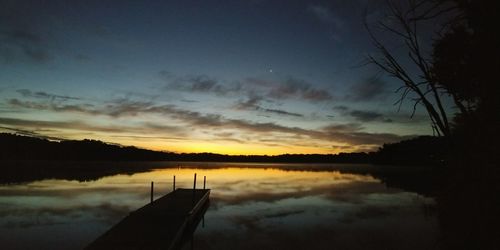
<point x="41" y="94"/>
<point x="344" y="133"/>
<point x="362" y="115"/>
<point x="197" y="84"/>
<point x="324" y="14"/>
<point x="183" y="120"/>
<point x="352" y="134"/>
<point x="283" y="112"/>
<point x="280" y="89"/>
<point x="20" y="36"/>
<point x="297" y="88"/>
<point x="367" y="90"/>
<point x="368" y="116"/>
<point x="84" y="126"/>
<point x="341" y="108"/>
<point x="16" y="42"/>
<point x="82" y="108"/>
<point x="253" y="103"/>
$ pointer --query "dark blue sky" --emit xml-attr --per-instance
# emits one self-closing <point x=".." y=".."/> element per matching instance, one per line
<point x="221" y="76"/>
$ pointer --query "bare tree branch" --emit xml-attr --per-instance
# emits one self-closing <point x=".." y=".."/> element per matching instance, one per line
<point x="406" y="29"/>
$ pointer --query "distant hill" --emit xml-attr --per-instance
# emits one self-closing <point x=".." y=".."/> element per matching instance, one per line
<point x="25" y="159"/>
<point x="424" y="150"/>
<point x="18" y="147"/>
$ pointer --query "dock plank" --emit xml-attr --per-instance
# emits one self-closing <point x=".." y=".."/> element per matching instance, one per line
<point x="158" y="225"/>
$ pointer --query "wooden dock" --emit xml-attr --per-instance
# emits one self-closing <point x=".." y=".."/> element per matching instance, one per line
<point x="162" y="224"/>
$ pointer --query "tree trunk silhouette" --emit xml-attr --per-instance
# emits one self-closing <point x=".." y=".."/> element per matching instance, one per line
<point x="425" y="87"/>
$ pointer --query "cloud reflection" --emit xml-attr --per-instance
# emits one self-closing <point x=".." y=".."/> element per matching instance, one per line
<point x="265" y="205"/>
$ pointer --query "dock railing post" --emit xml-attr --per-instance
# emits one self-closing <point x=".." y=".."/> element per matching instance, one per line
<point x="174" y="182"/>
<point x="152" y="185"/>
<point x="194" y="189"/>
<point x="204" y="182"/>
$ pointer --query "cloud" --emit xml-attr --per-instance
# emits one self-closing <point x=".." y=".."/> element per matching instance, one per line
<point x="282" y="112"/>
<point x="347" y="127"/>
<point x="83" y="126"/>
<point x="289" y="88"/>
<point x="362" y="115"/>
<point x="258" y="82"/>
<point x="297" y="88"/>
<point x="40" y="124"/>
<point x="15" y="43"/>
<point x="166" y="75"/>
<point x="188" y="101"/>
<point x="341" y="108"/>
<point x="366" y="116"/>
<point x="196" y="84"/>
<point x="201" y="83"/>
<point x="350" y="133"/>
<point x="41" y="94"/>
<point x="21" y="34"/>
<point x="368" y="90"/>
<point x="124" y="107"/>
<point x="316" y="95"/>
<point x="51" y="106"/>
<point x="324" y="14"/>
<point x="253" y="103"/>
<point x="18" y="37"/>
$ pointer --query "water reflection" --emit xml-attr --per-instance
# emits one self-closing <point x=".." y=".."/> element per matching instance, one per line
<point x="266" y="208"/>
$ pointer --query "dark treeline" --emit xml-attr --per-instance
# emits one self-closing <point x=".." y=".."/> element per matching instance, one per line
<point x="285" y="158"/>
<point x="25" y="159"/>
<point x="17" y="147"/>
<point x="419" y="151"/>
<point x="424" y="150"/>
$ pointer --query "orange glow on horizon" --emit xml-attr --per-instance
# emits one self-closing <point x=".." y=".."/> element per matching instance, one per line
<point x="234" y="148"/>
<point x="189" y="145"/>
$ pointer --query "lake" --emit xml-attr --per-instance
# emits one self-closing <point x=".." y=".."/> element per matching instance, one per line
<point x="253" y="206"/>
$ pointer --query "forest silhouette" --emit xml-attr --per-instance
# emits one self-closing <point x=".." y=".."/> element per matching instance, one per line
<point x="424" y="150"/>
<point x="463" y="65"/>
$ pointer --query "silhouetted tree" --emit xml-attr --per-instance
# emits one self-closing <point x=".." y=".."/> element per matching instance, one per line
<point x="403" y="22"/>
<point x="466" y="60"/>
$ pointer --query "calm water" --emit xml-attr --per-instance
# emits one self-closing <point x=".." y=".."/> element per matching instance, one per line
<point x="252" y="207"/>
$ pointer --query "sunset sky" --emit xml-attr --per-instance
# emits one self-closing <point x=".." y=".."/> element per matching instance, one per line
<point x="232" y="77"/>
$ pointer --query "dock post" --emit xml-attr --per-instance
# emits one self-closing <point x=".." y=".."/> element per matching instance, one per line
<point x="174" y="182"/>
<point x="152" y="185"/>
<point x="204" y="182"/>
<point x="194" y="188"/>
